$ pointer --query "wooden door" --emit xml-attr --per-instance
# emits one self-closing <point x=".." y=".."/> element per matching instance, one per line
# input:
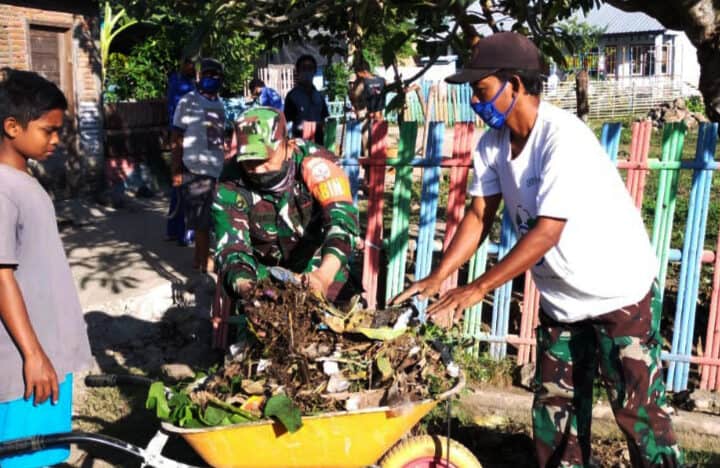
<point x="51" y="57"/>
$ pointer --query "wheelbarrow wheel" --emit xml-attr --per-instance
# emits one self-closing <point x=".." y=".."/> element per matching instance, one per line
<point x="429" y="452"/>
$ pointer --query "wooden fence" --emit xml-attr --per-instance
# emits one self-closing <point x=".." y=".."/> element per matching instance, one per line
<point x="492" y="324"/>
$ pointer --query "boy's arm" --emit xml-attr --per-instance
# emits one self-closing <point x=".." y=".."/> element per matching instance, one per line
<point x="39" y="373"/>
<point x="176" y="141"/>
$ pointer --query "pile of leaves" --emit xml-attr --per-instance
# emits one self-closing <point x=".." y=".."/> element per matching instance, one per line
<point x="301" y="356"/>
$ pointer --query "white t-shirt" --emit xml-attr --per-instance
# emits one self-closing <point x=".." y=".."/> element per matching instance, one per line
<point x="604" y="259"/>
<point x="202" y="121"/>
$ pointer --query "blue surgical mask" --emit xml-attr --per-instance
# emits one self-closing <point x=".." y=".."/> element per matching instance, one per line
<point x="489" y="113"/>
<point x="210" y="84"/>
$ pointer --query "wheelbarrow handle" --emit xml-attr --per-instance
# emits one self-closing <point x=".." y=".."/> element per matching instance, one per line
<point x="116" y="380"/>
<point x="35" y="443"/>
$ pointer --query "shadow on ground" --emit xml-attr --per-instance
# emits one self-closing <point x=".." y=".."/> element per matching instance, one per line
<point x="115" y="252"/>
<point x="124" y="344"/>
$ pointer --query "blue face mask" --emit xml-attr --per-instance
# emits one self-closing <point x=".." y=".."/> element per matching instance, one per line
<point x="489" y="113"/>
<point x="209" y="84"/>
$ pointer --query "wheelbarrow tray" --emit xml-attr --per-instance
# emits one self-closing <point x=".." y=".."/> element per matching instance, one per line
<point x="330" y="440"/>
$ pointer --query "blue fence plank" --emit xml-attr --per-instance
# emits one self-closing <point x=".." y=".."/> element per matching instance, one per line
<point x="690" y="268"/>
<point x="351" y="150"/>
<point x="610" y="139"/>
<point x="428" y="205"/>
<point x="501" y="302"/>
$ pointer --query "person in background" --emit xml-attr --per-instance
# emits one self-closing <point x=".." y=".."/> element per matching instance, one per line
<point x="180" y="82"/>
<point x="265" y="96"/>
<point x="43" y="337"/>
<point x="198" y="153"/>
<point x="304" y="103"/>
<point x="367" y="95"/>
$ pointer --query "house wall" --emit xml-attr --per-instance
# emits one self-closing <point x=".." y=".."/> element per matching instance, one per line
<point x="685" y="56"/>
<point x="79" y="163"/>
<point x="683" y="66"/>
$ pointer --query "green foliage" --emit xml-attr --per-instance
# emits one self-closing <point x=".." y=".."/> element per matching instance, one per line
<point x="484" y="369"/>
<point x="142" y="74"/>
<point x="113" y="24"/>
<point x="695" y="104"/>
<point x="284" y="410"/>
<point x="337" y="76"/>
<point x="209" y="29"/>
<point x="381" y="48"/>
<point x="175" y="406"/>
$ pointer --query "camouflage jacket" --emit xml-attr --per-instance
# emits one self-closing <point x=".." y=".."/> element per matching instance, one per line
<point x="294" y="228"/>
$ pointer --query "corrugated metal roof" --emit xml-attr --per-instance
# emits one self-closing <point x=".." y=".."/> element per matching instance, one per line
<point x="622" y="22"/>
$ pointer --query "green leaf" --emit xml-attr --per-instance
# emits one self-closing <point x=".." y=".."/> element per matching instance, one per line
<point x="213" y="416"/>
<point x="284" y="410"/>
<point x="382" y="333"/>
<point x="156" y="400"/>
<point x="384" y="366"/>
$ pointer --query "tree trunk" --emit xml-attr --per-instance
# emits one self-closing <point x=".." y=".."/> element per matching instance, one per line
<point x="709" y="58"/>
<point x="581" y="93"/>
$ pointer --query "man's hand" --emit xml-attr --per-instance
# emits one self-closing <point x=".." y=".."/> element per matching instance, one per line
<point x="177" y="179"/>
<point x="243" y="286"/>
<point x="450" y="307"/>
<point x="40" y="379"/>
<point x="424" y="289"/>
<point x="318" y="281"/>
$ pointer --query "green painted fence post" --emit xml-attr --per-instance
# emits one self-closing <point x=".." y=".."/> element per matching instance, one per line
<point x="399" y="231"/>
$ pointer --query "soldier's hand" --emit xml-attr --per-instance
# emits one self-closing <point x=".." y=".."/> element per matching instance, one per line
<point x="317" y="281"/>
<point x="425" y="288"/>
<point x="177" y="180"/>
<point x="243" y="286"/>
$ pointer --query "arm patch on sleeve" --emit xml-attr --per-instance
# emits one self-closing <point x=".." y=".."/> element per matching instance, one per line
<point x="326" y="180"/>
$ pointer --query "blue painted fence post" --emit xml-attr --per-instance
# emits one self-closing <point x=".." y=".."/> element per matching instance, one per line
<point x="428" y="206"/>
<point x="690" y="267"/>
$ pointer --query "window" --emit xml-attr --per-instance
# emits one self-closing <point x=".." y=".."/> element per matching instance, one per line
<point x="610" y="61"/>
<point x="665" y="59"/>
<point x="642" y="60"/>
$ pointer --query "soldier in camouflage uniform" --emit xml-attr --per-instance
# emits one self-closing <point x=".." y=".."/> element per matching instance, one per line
<point x="282" y="203"/>
<point x="587" y="248"/>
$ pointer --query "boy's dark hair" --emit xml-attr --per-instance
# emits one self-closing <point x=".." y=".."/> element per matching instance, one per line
<point x="531" y="79"/>
<point x="306" y="58"/>
<point x="255" y="83"/>
<point x="26" y="96"/>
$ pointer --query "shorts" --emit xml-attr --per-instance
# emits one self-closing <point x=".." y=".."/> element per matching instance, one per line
<point x="198" y="194"/>
<point x="20" y="418"/>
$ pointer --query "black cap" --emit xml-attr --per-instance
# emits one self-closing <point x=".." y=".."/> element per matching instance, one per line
<point x="504" y="50"/>
<point x="210" y="64"/>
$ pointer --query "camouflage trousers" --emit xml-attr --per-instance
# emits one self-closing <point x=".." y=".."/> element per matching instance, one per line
<point x="624" y="345"/>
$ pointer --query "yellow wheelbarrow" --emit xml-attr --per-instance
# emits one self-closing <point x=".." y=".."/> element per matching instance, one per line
<point x="368" y="437"/>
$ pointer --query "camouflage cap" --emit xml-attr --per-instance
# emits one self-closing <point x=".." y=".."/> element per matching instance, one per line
<point x="259" y="131"/>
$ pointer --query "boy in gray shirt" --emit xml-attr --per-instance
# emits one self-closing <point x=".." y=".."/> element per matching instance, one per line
<point x="43" y="338"/>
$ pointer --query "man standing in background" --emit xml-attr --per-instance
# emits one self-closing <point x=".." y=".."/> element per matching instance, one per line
<point x="198" y="153"/>
<point x="180" y="82"/>
<point x="304" y="103"/>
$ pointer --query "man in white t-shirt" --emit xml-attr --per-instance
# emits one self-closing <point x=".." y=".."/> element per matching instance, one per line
<point x="588" y="251"/>
<point x="198" y="153"/>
